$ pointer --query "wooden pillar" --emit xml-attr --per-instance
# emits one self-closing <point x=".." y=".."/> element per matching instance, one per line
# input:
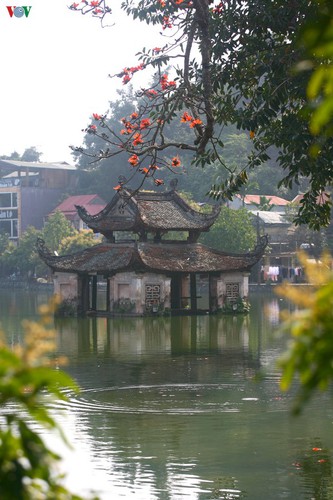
<point x="83" y="294"/>
<point x="193" y="291"/>
<point x="175" y="291"/>
<point x="212" y="294"/>
<point x="108" y="303"/>
<point x="94" y="293"/>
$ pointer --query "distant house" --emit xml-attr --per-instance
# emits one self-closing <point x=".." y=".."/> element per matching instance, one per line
<point x="252" y="202"/>
<point x="29" y="191"/>
<point x="90" y="202"/>
<point x="279" y="231"/>
<point x="321" y="199"/>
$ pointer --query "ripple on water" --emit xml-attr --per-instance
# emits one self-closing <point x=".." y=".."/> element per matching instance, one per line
<point x="174" y="399"/>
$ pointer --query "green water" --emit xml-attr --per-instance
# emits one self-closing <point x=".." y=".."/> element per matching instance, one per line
<point x="173" y="408"/>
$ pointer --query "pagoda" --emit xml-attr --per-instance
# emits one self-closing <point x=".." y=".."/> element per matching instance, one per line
<point x="150" y="261"/>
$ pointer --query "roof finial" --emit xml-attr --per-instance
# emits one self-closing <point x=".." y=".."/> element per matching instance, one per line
<point x="173" y="184"/>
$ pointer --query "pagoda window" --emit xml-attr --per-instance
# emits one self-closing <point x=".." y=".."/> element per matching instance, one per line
<point x="232" y="292"/>
<point x="152" y="296"/>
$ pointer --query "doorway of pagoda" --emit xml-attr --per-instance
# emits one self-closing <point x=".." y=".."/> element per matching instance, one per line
<point x="94" y="294"/>
<point x="184" y="293"/>
<point x="176" y="292"/>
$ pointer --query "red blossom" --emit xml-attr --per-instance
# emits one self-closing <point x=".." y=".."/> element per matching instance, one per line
<point x="175" y="162"/>
<point x="94" y="3"/>
<point x="137" y="139"/>
<point x="118" y="188"/>
<point x="162" y="3"/>
<point x="186" y="118"/>
<point x="154" y="167"/>
<point x="126" y="79"/>
<point x="134" y="115"/>
<point x="218" y="9"/>
<point x="134" y="69"/>
<point x="144" y="170"/>
<point x="92" y="127"/>
<point x="195" y="122"/>
<point x="145" y="123"/>
<point x="166" y="23"/>
<point x="156" y="50"/>
<point x="133" y="160"/>
<point x="159" y="182"/>
<point x="151" y="93"/>
<point x="165" y="83"/>
<point x="74" y="6"/>
<point x="97" y="116"/>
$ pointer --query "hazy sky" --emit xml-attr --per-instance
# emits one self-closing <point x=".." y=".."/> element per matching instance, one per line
<point x="54" y="73"/>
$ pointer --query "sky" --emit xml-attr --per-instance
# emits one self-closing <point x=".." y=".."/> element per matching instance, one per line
<point x="54" y="73"/>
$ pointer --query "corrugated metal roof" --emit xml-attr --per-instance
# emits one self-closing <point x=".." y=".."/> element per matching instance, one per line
<point x="32" y="165"/>
<point x="271" y="217"/>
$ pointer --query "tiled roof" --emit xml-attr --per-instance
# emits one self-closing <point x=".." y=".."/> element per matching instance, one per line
<point x="91" y="202"/>
<point x="255" y="198"/>
<point x="157" y="257"/>
<point x="321" y="199"/>
<point x="148" y="211"/>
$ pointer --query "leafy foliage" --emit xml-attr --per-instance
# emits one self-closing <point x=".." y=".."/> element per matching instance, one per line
<point x="27" y="378"/>
<point x="264" y="204"/>
<point x="77" y="242"/>
<point x="56" y="229"/>
<point x="233" y="231"/>
<point x="29" y="154"/>
<point x="310" y="355"/>
<point x="23" y="259"/>
<point x="317" y="36"/>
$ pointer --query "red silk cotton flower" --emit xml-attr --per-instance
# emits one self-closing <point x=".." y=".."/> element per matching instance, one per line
<point x="133" y="160"/>
<point x="186" y="118"/>
<point x="195" y="122"/>
<point x="145" y="123"/>
<point x="165" y="82"/>
<point x="137" y="139"/>
<point x="175" y="162"/>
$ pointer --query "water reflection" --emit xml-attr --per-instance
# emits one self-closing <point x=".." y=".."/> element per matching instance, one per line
<point x="173" y="408"/>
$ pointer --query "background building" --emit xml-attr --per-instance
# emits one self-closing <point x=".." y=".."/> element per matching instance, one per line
<point x="90" y="202"/>
<point x="29" y="191"/>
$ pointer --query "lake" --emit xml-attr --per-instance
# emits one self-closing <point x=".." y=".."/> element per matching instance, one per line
<point x="183" y="407"/>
